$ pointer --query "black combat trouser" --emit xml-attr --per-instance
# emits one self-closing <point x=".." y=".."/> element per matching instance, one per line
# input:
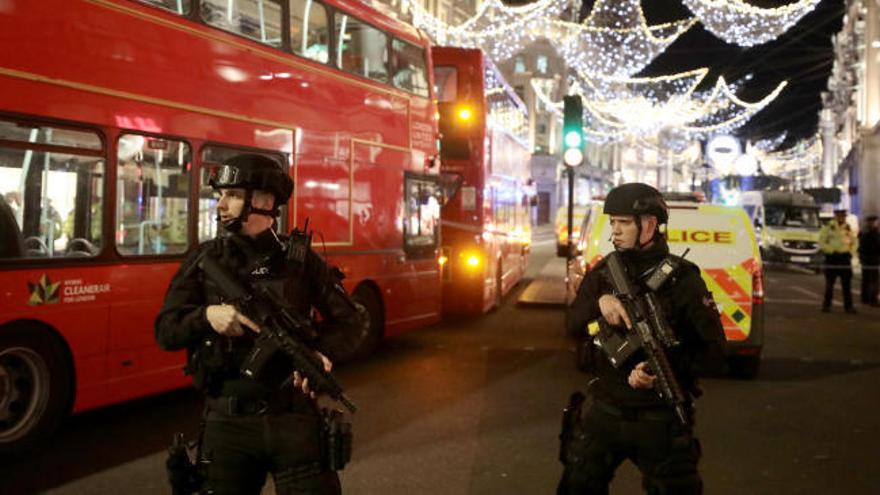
<point x="870" y="281"/>
<point x="242" y="449"/>
<point x="838" y="265"/>
<point x="665" y="452"/>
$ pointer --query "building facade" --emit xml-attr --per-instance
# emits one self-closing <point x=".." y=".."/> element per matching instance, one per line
<point x="850" y="120"/>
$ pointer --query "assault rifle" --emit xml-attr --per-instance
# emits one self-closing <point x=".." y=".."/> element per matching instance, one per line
<point x="283" y="334"/>
<point x="652" y="333"/>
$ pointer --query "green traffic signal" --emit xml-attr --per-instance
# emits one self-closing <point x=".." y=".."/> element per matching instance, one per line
<point x="573" y="139"/>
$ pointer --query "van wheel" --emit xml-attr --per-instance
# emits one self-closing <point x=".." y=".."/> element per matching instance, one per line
<point x="744" y="367"/>
<point x="35" y="388"/>
<point x="370" y="306"/>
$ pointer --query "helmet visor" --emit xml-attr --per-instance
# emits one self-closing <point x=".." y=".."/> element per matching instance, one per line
<point x="227" y="176"/>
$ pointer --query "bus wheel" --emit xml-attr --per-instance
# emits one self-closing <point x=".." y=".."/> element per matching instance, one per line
<point x="367" y="300"/>
<point x="744" y="367"/>
<point x="35" y="388"/>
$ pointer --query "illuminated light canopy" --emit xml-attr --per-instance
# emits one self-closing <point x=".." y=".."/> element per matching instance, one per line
<point x="624" y="108"/>
<point x="737" y="22"/>
<point x="615" y="39"/>
<point x="771" y="143"/>
<point x="501" y="31"/>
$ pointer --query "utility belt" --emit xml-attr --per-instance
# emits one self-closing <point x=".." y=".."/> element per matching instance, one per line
<point x="648" y="413"/>
<point x="238" y="406"/>
<point x="574" y="438"/>
<point x="336" y="431"/>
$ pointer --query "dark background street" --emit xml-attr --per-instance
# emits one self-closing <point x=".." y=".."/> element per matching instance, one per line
<point x="474" y="407"/>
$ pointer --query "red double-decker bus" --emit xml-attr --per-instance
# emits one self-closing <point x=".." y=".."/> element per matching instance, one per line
<point x="112" y="112"/>
<point x="484" y="136"/>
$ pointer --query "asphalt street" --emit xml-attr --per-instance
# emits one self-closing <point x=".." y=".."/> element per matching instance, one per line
<point x="473" y="407"/>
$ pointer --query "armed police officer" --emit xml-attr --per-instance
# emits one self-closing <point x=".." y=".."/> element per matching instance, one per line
<point x="250" y="428"/>
<point x="626" y="419"/>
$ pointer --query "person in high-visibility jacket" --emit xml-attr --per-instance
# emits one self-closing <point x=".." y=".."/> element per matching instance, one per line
<point x="839" y="243"/>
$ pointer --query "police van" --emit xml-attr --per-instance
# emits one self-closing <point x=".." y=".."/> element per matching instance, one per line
<point x="722" y="243"/>
<point x="787" y="226"/>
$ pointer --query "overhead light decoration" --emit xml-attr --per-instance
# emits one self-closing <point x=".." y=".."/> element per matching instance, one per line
<point x="501" y="31"/>
<point x="614" y="40"/>
<point x="737" y="22"/>
<point x="771" y="143"/>
<point x="624" y="108"/>
<point x="805" y="156"/>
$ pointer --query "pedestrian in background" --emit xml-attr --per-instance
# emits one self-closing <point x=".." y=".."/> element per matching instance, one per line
<point x="839" y="243"/>
<point x="869" y="257"/>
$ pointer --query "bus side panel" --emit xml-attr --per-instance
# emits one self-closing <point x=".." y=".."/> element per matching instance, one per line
<point x="74" y="302"/>
<point x="136" y="366"/>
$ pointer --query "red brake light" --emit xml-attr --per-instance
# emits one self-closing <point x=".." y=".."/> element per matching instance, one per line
<point x="758" y="287"/>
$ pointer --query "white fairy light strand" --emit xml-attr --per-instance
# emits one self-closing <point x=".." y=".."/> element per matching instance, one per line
<point x="737" y="22"/>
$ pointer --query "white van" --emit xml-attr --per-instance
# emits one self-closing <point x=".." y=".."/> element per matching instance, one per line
<point x="787" y="225"/>
<point x="722" y="243"/>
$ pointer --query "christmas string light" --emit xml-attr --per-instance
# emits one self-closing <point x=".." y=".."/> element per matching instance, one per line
<point x="737" y="22"/>
<point x="614" y="40"/>
<point x="771" y="143"/>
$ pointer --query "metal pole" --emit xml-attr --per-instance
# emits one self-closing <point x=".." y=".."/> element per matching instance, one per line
<point x="570" y="211"/>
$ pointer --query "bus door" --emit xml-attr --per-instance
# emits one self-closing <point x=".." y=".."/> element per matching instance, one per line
<point x="423" y="198"/>
<point x="151" y="227"/>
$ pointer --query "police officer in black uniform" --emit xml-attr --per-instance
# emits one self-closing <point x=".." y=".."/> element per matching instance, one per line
<point x="251" y="429"/>
<point x="626" y="419"/>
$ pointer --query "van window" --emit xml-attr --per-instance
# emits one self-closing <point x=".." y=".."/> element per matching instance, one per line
<point x="791" y="216"/>
<point x="52" y="183"/>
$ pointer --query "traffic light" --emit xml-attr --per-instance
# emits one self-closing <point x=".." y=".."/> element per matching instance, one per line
<point x="573" y="131"/>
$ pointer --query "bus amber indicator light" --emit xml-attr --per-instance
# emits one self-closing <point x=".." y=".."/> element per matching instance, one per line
<point x="465" y="114"/>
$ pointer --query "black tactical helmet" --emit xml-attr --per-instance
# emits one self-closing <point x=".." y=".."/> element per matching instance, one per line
<point x="636" y="199"/>
<point x="254" y="172"/>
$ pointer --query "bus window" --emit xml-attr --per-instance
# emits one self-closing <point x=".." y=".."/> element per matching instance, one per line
<point x="409" y="67"/>
<point x="181" y="7"/>
<point x="309" y="30"/>
<point x="421" y="227"/>
<point x="445" y="83"/>
<point x="361" y="48"/>
<point x="152" y="195"/>
<point x="212" y="156"/>
<point x="52" y="182"/>
<point x="259" y="20"/>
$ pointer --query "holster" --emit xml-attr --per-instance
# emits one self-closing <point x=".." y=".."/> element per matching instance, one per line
<point x="336" y="440"/>
<point x="183" y="474"/>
